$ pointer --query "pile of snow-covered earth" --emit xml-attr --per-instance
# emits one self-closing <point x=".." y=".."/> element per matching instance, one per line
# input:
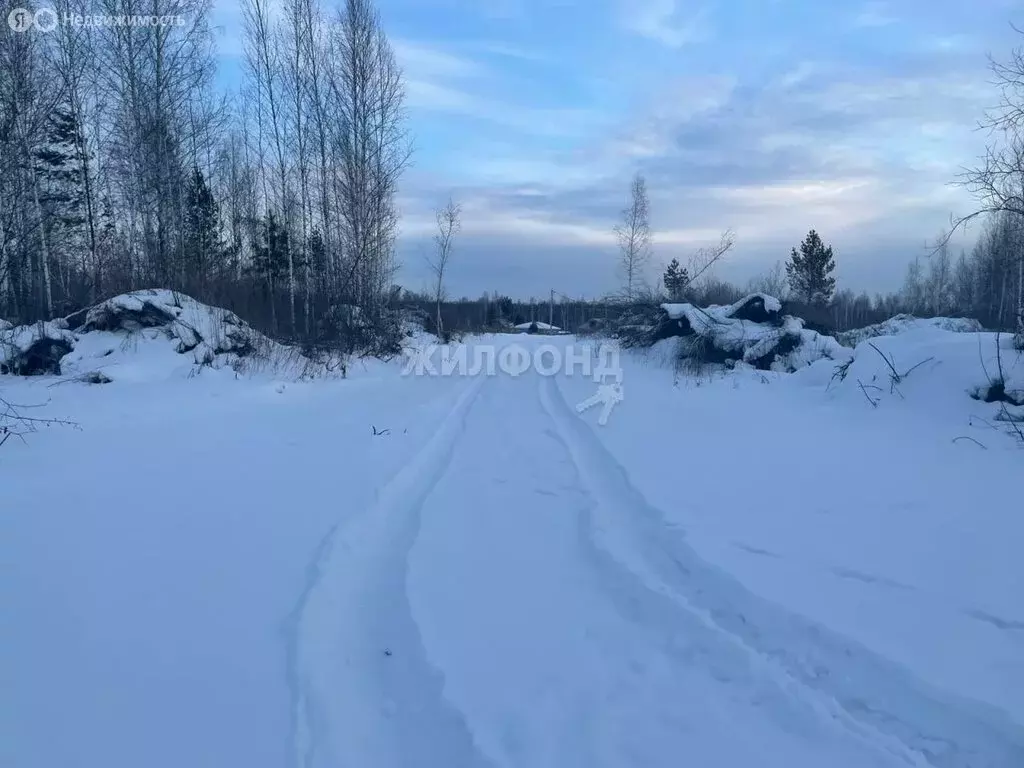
<point x="147" y="333"/>
<point x="941" y="364"/>
<point x="751" y="332"/>
<point x="36" y="348"/>
<point x="903" y="323"/>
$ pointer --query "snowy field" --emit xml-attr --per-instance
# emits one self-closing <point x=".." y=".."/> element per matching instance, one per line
<point x="740" y="569"/>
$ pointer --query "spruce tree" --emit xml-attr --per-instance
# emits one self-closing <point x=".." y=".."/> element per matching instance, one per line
<point x="676" y="280"/>
<point x="810" y="270"/>
<point x="203" y="249"/>
<point x="270" y="256"/>
<point x="58" y="167"/>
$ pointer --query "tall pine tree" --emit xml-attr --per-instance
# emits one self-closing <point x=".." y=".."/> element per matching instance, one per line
<point x="810" y="271"/>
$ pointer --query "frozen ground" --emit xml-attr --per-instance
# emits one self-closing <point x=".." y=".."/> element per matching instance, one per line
<point x="747" y="570"/>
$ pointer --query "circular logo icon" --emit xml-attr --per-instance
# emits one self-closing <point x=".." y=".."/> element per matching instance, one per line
<point x="45" y="19"/>
<point x="20" y="19"/>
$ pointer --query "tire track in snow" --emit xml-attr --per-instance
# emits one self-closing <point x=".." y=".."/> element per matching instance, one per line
<point x="364" y="693"/>
<point x="539" y="644"/>
<point x="873" y="697"/>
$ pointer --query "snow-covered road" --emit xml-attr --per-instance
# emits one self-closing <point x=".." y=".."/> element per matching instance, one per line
<point x="484" y="585"/>
<point x="512" y="600"/>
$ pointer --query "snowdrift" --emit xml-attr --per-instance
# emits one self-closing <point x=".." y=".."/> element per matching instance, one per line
<point x="932" y="369"/>
<point x="145" y="331"/>
<point x="753" y="331"/>
<point x="903" y="323"/>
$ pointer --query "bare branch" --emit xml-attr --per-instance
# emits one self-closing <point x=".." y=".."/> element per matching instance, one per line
<point x="705" y="258"/>
<point x="14" y="423"/>
<point x="965" y="437"/>
<point x="864" y="389"/>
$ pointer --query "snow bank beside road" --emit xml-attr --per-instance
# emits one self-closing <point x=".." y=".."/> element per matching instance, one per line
<point x="903" y="323"/>
<point x="160" y="326"/>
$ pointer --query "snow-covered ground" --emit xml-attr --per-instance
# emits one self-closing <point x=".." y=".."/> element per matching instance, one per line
<point x="746" y="569"/>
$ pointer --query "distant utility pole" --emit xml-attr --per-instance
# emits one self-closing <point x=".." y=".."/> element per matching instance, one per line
<point x="551" y="309"/>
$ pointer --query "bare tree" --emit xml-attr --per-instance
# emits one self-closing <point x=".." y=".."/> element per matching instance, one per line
<point x="372" y="147"/>
<point x="75" y="64"/>
<point x="939" y="284"/>
<point x="265" y="60"/>
<point x="299" y="46"/>
<point x="634" y="237"/>
<point x="773" y="282"/>
<point x="998" y="180"/>
<point x="449" y="222"/>
<point x="26" y="105"/>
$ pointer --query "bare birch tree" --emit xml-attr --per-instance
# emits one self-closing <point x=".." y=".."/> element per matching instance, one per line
<point x="633" y="234"/>
<point x="371" y="144"/>
<point x="265" y="60"/>
<point x="75" y="64"/>
<point x="449" y="223"/>
<point x="26" y="104"/>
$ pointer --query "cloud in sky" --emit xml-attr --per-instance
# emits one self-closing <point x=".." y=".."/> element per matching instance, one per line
<point x="768" y="117"/>
<point x="669" y="22"/>
<point x="874" y="14"/>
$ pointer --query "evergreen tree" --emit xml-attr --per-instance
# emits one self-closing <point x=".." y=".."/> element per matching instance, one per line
<point x="58" y="166"/>
<point x="676" y="280"/>
<point x="202" y="248"/>
<point x="499" y="310"/>
<point x="810" y="270"/>
<point x="270" y="257"/>
<point x="59" y="170"/>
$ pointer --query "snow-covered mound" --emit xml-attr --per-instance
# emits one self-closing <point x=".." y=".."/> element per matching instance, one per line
<point x="537" y="325"/>
<point x="212" y="336"/>
<point x="753" y="331"/>
<point x="903" y="323"/>
<point x="932" y="370"/>
<point x="144" y="334"/>
<point x="34" y="349"/>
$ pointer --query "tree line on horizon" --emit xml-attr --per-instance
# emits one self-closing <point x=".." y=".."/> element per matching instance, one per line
<point x="122" y="167"/>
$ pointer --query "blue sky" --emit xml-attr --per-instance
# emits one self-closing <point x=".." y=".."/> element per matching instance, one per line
<point x="769" y="117"/>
